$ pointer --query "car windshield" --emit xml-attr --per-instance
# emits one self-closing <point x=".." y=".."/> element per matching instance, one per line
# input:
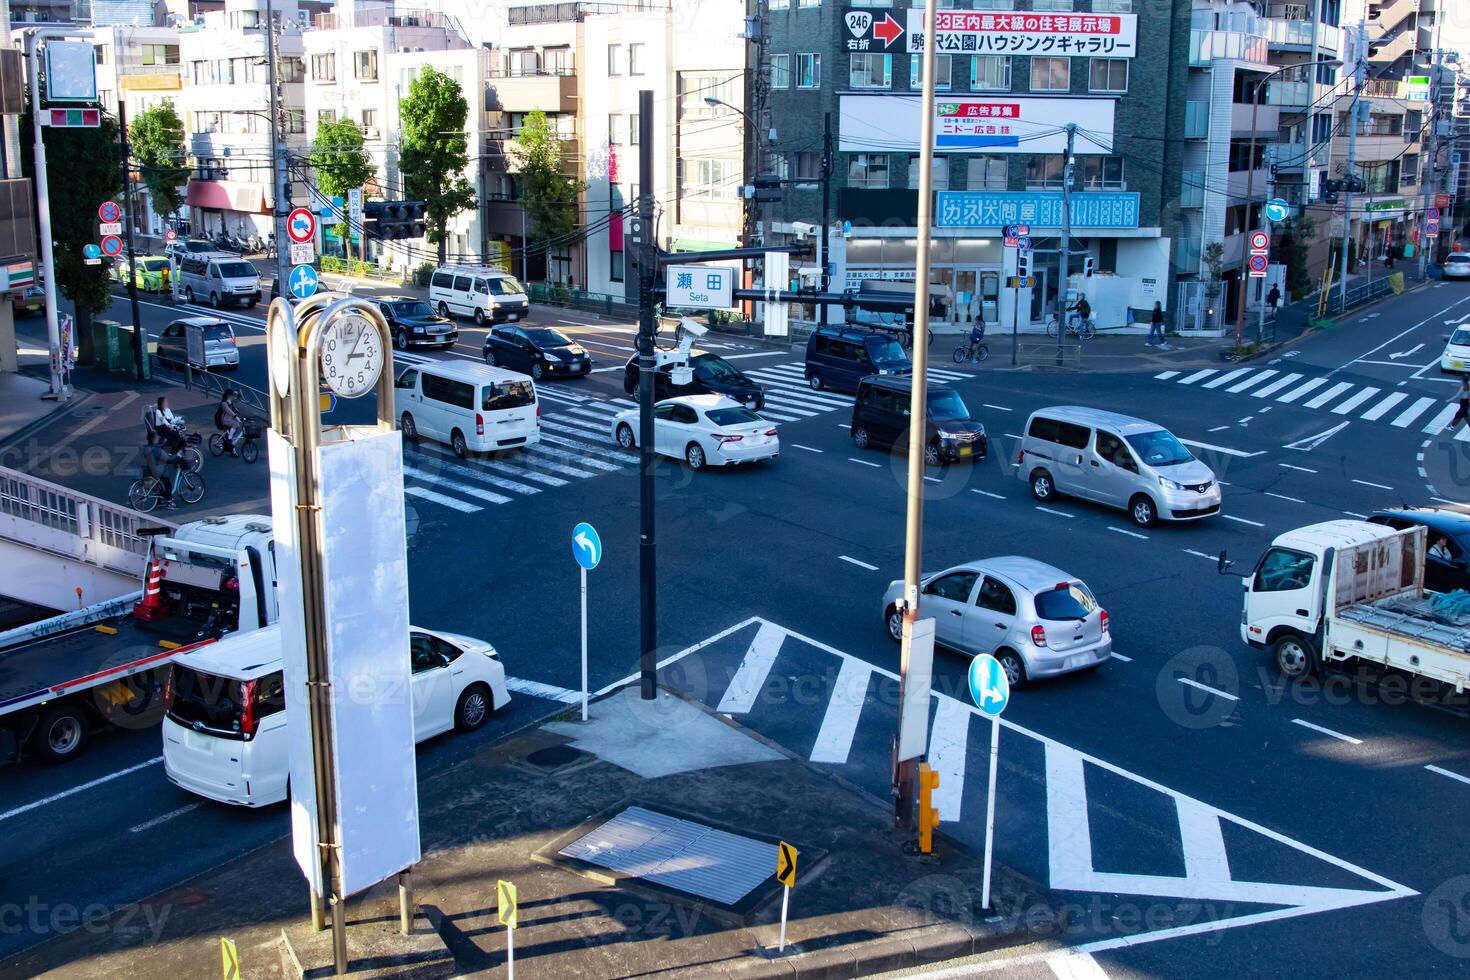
<point x="1461" y="337"/>
<point x="1071" y="601"/>
<point x="1458" y="258"/>
<point x="947" y="406"/>
<point x="1159" y="448"/>
<point x="198" y="247"/>
<point x="505" y="286"/>
<point x="217" y="331"/>
<point x="236" y="270"/>
<point x="154" y="265"/>
<point x="732" y="416"/>
<point x="714" y="366"/>
<point x="415" y="307"/>
<point x="509" y="394"/>
<point x="886" y="351"/>
<point x="546" y="337"/>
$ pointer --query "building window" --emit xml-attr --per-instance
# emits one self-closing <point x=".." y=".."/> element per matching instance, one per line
<point x="808" y="71"/>
<point x="939" y="173"/>
<point x="1239" y="218"/>
<point x="1051" y="4"/>
<point x="635" y="57"/>
<point x="712" y="180"/>
<point x="1045" y="172"/>
<point x="1108" y="75"/>
<point x="1410" y="164"/>
<point x="294" y="120"/>
<point x="780" y="71"/>
<point x="867" y="170"/>
<point x="290" y="69"/>
<point x="988" y="174"/>
<point x="365" y="66"/>
<point x="808" y="166"/>
<point x="160" y="54"/>
<point x="1245" y="88"/>
<point x="990" y="73"/>
<point x="1051" y="74"/>
<point x="326" y="116"/>
<point x="614" y="59"/>
<point x="1241" y="156"/>
<point x="941" y="71"/>
<point x="871" y="71"/>
<point x="1102" y="173"/>
<point x="206" y="122"/>
<point x="615" y="265"/>
<point x="324" y="67"/>
<point x="780" y="4"/>
<point x="522" y="62"/>
<point x="874" y="3"/>
<point x="370" y="121"/>
<point x="612" y="129"/>
<point x="809" y="3"/>
<point x="633" y="129"/>
<point x="558" y="61"/>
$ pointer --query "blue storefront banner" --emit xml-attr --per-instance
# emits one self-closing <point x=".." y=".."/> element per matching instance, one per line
<point x="993" y="209"/>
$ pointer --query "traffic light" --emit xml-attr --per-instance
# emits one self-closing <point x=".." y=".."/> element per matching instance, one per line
<point x="395" y="220"/>
<point x="1023" y="262"/>
<point x="928" y="815"/>
<point x="767" y="189"/>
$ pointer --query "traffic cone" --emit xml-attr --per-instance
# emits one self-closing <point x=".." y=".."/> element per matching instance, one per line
<point x="152" y="607"/>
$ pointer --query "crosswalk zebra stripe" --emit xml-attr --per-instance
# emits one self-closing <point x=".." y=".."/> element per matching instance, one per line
<point x="1439" y="421"/>
<point x="592" y="425"/>
<point x="1356" y="400"/>
<point x="1225" y="378"/>
<point x="1327" y="395"/>
<point x="1166" y="375"/>
<point x="824" y="402"/>
<point x="625" y="402"/>
<point x="1252" y="381"/>
<point x="1276" y="386"/>
<point x="750" y="676"/>
<point x="602" y="409"/>
<point x="564" y="397"/>
<point x="839" y="722"/>
<point x="582" y="447"/>
<point x="455" y="485"/>
<point x="440" y="498"/>
<point x="786" y="406"/>
<point x="477" y="472"/>
<point x="542" y="454"/>
<point x="777" y="416"/>
<point x="1413" y="412"/>
<point x="947" y="742"/>
<point x="1377" y="411"/>
<point x="948" y="375"/>
<point x="583" y="411"/>
<point x="1463" y="435"/>
<point x="1196" y="376"/>
<point x="1300" y="390"/>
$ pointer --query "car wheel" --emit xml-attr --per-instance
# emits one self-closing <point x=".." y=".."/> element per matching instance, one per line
<point x="479" y="317"/>
<point x="894" y="620"/>
<point x="860" y="437"/>
<point x="625" y="436"/>
<point x="214" y="300"/>
<point x="1296" y="656"/>
<point x="931" y="454"/>
<point x="537" y="371"/>
<point x="400" y="339"/>
<point x="1013" y="665"/>
<point x="444" y="310"/>
<point x="694" y="456"/>
<point x="61" y="734"/>
<point x="1141" y="509"/>
<point x="473" y="708"/>
<point x="457" y="443"/>
<point x="188" y="294"/>
<point x="815" y="382"/>
<point x="408" y="428"/>
<point x="490" y="356"/>
<point x="1041" y="486"/>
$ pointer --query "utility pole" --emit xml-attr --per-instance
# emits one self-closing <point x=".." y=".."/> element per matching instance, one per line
<point x="140" y="333"/>
<point x="826" y="259"/>
<point x="1429" y="181"/>
<point x="1064" y="265"/>
<point x="280" y="174"/>
<point x="647" y="365"/>
<point x="1250" y="200"/>
<point x="1360" y="71"/>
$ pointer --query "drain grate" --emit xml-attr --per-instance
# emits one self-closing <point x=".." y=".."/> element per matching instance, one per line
<point x="680" y="854"/>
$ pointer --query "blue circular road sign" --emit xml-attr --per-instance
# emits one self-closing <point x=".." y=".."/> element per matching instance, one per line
<point x="586" y="546"/>
<point x="988" y="685"/>
<point x="1277" y="209"/>
<point x="90" y="251"/>
<point x="303" y="281"/>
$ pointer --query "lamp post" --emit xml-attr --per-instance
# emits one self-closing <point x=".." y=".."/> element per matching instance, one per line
<point x="750" y="163"/>
<point x="1250" y="179"/>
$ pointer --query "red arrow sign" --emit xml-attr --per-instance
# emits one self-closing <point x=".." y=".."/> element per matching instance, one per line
<point x="887" y="30"/>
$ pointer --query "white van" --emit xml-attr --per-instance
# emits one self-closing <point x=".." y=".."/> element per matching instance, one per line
<point x="472" y="407"/>
<point x="224" y="736"/>
<point x="480" y="291"/>
<point x="219" y="277"/>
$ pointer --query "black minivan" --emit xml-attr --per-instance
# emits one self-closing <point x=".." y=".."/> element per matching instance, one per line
<point x="838" y="357"/>
<point x="713" y="375"/>
<point x="880" y="417"/>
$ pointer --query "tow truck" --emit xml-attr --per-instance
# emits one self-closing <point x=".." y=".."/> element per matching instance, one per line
<point x="66" y="678"/>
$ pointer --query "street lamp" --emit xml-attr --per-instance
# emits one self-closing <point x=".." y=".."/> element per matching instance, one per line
<point x="752" y="162"/>
<point x="1250" y="179"/>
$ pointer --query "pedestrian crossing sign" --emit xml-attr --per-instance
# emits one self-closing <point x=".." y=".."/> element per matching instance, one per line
<point x="229" y="960"/>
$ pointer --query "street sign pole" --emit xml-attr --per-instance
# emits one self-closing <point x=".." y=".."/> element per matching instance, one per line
<point x="785" y="905"/>
<point x="990" y="811"/>
<point x="990" y="689"/>
<point x="584" y="644"/>
<point x="786" y="875"/>
<point x="140" y="332"/>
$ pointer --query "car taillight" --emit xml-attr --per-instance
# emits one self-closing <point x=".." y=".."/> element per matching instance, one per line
<point x="1104" y="620"/>
<point x="1038" y="636"/>
<point x="538" y="413"/>
<point x="247" y="708"/>
<point x="168" y="689"/>
<point x="479" y="424"/>
<point x="720" y="438"/>
<point x="1020" y="456"/>
<point x="770" y="432"/>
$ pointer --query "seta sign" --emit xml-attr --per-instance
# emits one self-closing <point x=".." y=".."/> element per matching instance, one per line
<point x="1063" y="35"/>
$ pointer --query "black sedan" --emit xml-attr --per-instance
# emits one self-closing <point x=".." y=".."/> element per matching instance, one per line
<point x="414" y="323"/>
<point x="540" y="352"/>
<point x="711" y="374"/>
<point x="1447" y="564"/>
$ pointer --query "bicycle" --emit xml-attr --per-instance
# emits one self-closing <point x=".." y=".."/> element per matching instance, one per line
<point x="906" y="338"/>
<point x="1076" y="327"/>
<point x="972" y="352"/>
<point x="146" y="492"/>
<point x="184" y="444"/>
<point x="249" y="448"/>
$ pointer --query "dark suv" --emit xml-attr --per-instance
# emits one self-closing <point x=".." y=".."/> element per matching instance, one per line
<point x="880" y="416"/>
<point x="713" y="375"/>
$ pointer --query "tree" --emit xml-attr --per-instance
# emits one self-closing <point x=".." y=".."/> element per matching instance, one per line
<point x="339" y="161"/>
<point x="433" y="150"/>
<point x="1214" y="259"/>
<point x="84" y="168"/>
<point x="547" y="193"/>
<point x="156" y="139"/>
<point x="1292" y="246"/>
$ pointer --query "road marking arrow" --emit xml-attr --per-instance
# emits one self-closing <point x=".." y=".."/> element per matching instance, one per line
<point x="1312" y="442"/>
<point x="1405" y="353"/>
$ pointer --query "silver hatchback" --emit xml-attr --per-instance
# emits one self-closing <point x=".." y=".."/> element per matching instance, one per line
<point x="1034" y="618"/>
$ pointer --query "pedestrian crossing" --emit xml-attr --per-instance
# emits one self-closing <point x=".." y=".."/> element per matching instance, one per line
<point x="1368" y="402"/>
<point x="789" y="398"/>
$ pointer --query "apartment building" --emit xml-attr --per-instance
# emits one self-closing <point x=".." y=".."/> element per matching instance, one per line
<point x="139" y="66"/>
<point x="17" y="202"/>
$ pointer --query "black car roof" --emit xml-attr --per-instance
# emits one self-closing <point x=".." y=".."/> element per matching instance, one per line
<point x="899" y="382"/>
<point x="852" y="332"/>
<point x="1451" y="522"/>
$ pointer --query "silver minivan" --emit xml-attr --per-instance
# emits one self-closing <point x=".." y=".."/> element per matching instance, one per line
<point x="1115" y="460"/>
<point x="218" y="277"/>
<point x="481" y="292"/>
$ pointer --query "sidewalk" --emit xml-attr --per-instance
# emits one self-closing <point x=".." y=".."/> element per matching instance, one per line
<point x="523" y="809"/>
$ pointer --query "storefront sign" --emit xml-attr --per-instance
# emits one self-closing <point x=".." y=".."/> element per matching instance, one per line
<point x="994" y="209"/>
<point x="1396" y="204"/>
<point x="856" y="277"/>
<point x="1059" y="35"/>
<point x="1001" y="124"/>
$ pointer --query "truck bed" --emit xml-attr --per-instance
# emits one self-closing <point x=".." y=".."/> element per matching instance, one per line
<point x="1413" y="618"/>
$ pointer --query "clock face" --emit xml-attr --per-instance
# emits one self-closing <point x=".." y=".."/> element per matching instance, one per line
<point x="352" y="355"/>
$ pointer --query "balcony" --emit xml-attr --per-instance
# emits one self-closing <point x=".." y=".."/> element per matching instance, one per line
<point x="1296" y="35"/>
<point x="1208" y="46"/>
<point x="1384" y="88"/>
<point x="526" y="93"/>
<point x="1289" y="95"/>
<point x="371" y="17"/>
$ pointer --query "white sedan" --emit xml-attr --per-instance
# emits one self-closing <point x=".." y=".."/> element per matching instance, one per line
<point x="1456" y="265"/>
<point x="1456" y="356"/>
<point x="703" y="430"/>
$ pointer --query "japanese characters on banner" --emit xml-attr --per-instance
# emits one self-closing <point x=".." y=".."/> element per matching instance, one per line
<point x="1027" y="33"/>
<point x="1001" y="124"/>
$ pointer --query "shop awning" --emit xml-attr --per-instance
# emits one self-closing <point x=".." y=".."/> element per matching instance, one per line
<point x="696" y="245"/>
<point x="226" y="195"/>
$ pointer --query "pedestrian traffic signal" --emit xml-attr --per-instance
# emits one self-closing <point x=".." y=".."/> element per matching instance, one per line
<point x="928" y="815"/>
<point x="1023" y="263"/>
<point x="396" y="220"/>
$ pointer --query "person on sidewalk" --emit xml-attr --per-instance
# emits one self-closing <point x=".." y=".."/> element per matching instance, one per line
<point x="1273" y="299"/>
<point x="1463" y="397"/>
<point x="1156" y="328"/>
<point x="163" y="465"/>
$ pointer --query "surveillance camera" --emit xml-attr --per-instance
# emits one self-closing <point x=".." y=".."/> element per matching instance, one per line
<point x="803" y="230"/>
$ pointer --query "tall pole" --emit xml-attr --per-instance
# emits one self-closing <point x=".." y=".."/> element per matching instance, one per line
<point x="906" y="770"/>
<point x="140" y="332"/>
<point x="1360" y="71"/>
<point x="1064" y="265"/>
<point x="826" y="263"/>
<point x="1428" y="182"/>
<point x="43" y="211"/>
<point x="647" y="364"/>
<point x="1250" y="200"/>
<point x="280" y="174"/>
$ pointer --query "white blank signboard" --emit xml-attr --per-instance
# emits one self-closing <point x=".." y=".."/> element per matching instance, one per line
<point x="71" y="71"/>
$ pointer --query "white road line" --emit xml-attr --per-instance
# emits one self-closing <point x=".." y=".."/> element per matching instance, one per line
<point x="1292" y="466"/>
<point x="1376" y="486"/>
<point x="601" y="428"/>
<point x="1131" y="534"/>
<point x="844" y="706"/>
<point x="1452" y="775"/>
<point x="1378" y="411"/>
<point x="28" y="807"/>
<point x="1355" y="401"/>
<point x="806" y="398"/>
<point x="149" y="824"/>
<point x="625" y="402"/>
<point x="1282" y="496"/>
<point x="935" y="479"/>
<point x="859" y="564"/>
<point x="1411" y="413"/>
<point x="455" y="485"/>
<point x="987" y="493"/>
<point x="1252" y="381"/>
<point x="1075" y="964"/>
<point x="442" y="500"/>
<point x="1197" y="376"/>
<point x="1312" y="442"/>
<point x="764" y="353"/>
<point x="1219" y="428"/>
<point x="750" y="677"/>
<point x="1327" y="731"/>
<point x="1166" y="375"/>
<point x="790" y="407"/>
<point x="766" y="413"/>
<point x="1199" y="554"/>
<point x="1118" y="656"/>
<point x="1206" y="687"/>
<point x="797" y="445"/>
<point x="947" y="744"/>
<point x="1463" y="435"/>
<point x="536" y="689"/>
<point x="1276" y="386"/>
<point x="1361" y="517"/>
<point x="1328" y="395"/>
<point x="1440" y="420"/>
<point x="1059" y="513"/>
<point x="1242" y="454"/>
<point x="597" y="409"/>
<point x="1302" y="389"/>
<point x="864" y="462"/>
<point x="1000" y="408"/>
<point x="1242" y="520"/>
<point x="1446" y="500"/>
<point x="1226" y="378"/>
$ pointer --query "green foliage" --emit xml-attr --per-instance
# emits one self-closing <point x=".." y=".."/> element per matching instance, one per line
<point x="433" y="150"/>
<point x="338" y="159"/>
<point x="423" y="273"/>
<point x="156" y="140"/>
<point x="1292" y="246"/>
<point x="356" y="268"/>
<point x="1214" y="256"/>
<point x="547" y="193"/>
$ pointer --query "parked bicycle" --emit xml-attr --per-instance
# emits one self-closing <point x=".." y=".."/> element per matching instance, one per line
<point x="973" y="350"/>
<point x="147" y="493"/>
<point x="249" y="447"/>
<point x="1076" y="327"/>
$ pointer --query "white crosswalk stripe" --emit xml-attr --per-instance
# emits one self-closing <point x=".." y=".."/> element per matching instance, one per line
<point x="1328" y="395"/>
<point x="1302" y="389"/>
<point x="442" y="499"/>
<point x="591" y="425"/>
<point x="454" y="485"/>
<point x="1368" y="402"/>
<point x="1378" y="411"/>
<point x="1197" y="376"/>
<point x="560" y="395"/>
<point x="609" y="451"/>
<point x="790" y="407"/>
<point x="477" y="472"/>
<point x="1354" y="400"/>
<point x="1439" y="421"/>
<point x="1276" y="386"/>
<point x="1252" y="381"/>
<point x="1226" y="378"/>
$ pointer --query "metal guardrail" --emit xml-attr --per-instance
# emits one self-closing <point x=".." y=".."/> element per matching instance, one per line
<point x="255" y="402"/>
<point x="1357" y="295"/>
<point x="1045" y="352"/>
<point x="37" y="501"/>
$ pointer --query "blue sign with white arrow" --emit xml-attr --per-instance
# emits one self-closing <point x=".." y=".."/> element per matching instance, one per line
<point x="989" y="686"/>
<point x="586" y="546"/>
<point x="90" y="251"/>
<point x="1277" y="209"/>
<point x="302" y="281"/>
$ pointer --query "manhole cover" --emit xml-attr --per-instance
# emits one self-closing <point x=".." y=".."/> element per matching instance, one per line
<point x="680" y="854"/>
<point x="555" y="756"/>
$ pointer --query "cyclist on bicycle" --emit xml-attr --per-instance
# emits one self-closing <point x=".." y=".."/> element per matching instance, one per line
<point x="227" y="420"/>
<point x="1083" y="309"/>
<point x="977" y="332"/>
<point x="163" y="466"/>
<point x="160" y="420"/>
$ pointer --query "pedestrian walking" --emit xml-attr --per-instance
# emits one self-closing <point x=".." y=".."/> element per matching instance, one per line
<point x="1156" y="327"/>
<point x="1463" y="397"/>
<point x="1273" y="298"/>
